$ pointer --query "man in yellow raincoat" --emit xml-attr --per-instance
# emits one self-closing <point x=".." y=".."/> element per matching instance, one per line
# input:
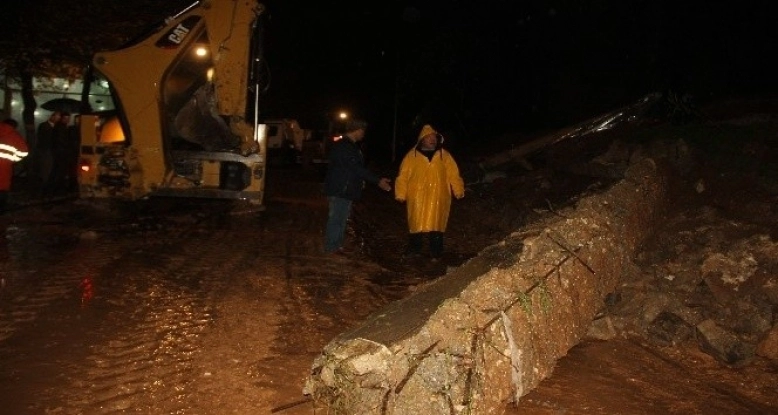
<point x="428" y="178"/>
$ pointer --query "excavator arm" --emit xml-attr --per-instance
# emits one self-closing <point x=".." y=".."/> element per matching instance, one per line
<point x="187" y="98"/>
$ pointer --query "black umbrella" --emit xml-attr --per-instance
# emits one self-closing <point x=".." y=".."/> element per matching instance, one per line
<point x="63" y="104"/>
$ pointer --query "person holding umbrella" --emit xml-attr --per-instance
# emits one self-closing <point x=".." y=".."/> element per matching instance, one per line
<point x="60" y="147"/>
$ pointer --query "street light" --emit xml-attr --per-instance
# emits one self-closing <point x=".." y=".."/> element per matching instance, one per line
<point x="337" y="123"/>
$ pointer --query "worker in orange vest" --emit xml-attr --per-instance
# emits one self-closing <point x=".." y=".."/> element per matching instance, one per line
<point x="12" y="149"/>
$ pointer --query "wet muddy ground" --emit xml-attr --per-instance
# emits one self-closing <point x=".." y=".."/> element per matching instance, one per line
<point x="205" y="307"/>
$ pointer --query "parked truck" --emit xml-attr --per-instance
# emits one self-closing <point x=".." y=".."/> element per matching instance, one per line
<point x="187" y="98"/>
<point x="285" y="140"/>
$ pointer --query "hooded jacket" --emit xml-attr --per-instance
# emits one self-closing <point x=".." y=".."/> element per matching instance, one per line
<point x="427" y="185"/>
<point x="346" y="173"/>
<point x="12" y="149"/>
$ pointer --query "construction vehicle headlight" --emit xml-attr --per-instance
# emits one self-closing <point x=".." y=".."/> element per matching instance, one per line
<point x="85" y="166"/>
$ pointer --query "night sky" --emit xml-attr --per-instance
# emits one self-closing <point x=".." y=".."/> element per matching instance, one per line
<point x="480" y="69"/>
<point x="477" y="70"/>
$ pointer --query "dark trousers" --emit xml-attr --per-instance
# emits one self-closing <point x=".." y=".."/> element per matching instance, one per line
<point x="416" y="240"/>
<point x="337" y="219"/>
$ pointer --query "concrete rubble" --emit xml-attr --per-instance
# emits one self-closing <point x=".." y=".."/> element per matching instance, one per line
<point x="712" y="282"/>
<point x="490" y="330"/>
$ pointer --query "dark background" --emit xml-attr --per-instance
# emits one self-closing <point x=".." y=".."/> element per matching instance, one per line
<point x="481" y="70"/>
<point x="477" y="70"/>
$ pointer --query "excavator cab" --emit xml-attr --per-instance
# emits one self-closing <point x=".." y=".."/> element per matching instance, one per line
<point x="186" y="101"/>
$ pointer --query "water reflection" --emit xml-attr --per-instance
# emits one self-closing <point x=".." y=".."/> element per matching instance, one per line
<point x="87" y="290"/>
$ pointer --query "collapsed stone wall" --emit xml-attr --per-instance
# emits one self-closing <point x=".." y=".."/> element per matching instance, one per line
<point x="489" y="331"/>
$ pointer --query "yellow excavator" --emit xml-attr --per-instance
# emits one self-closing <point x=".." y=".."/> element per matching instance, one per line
<point x="186" y="99"/>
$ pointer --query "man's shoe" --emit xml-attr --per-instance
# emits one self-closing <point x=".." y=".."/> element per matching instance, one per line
<point x="340" y="252"/>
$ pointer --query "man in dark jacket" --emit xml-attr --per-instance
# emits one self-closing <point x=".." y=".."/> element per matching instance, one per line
<point x="346" y="176"/>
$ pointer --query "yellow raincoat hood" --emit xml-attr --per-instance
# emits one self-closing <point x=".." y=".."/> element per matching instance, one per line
<point x="426" y="130"/>
<point x="427" y="186"/>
